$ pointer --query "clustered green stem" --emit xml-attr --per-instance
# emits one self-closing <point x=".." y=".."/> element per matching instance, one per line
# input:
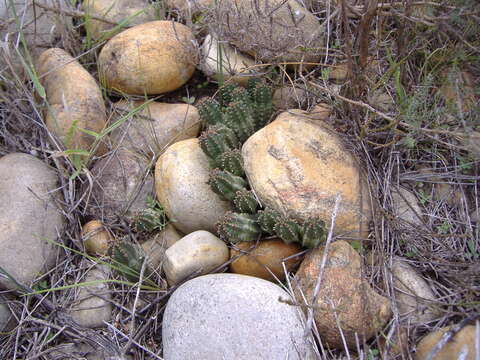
<point x="229" y="122"/>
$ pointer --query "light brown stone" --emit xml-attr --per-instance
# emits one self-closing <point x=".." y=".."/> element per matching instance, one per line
<point x="413" y="295"/>
<point x="155" y="247"/>
<point x="298" y="166"/>
<point x="181" y="176"/>
<point x="405" y="206"/>
<point x="96" y="238"/>
<point x="273" y="30"/>
<point x="127" y="12"/>
<point x="198" y="251"/>
<point x="462" y="346"/>
<point x="156" y="126"/>
<point x="151" y="58"/>
<point x="289" y="97"/>
<point x="222" y="60"/>
<point x="122" y="185"/>
<point x="264" y="260"/>
<point x="345" y="298"/>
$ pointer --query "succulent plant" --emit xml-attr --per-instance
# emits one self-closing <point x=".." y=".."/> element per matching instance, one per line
<point x="231" y="161"/>
<point x="238" y="116"/>
<point x="313" y="233"/>
<point x="289" y="230"/>
<point x="210" y="112"/>
<point x="225" y="93"/>
<point x="236" y="227"/>
<point x="216" y="140"/>
<point x="267" y="219"/>
<point x="151" y="218"/>
<point x="263" y="106"/>
<point x="252" y="85"/>
<point x="128" y="261"/>
<point x="226" y="184"/>
<point x="245" y="201"/>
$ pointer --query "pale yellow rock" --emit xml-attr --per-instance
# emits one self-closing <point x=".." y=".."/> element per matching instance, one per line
<point x="462" y="346"/>
<point x="181" y="176"/>
<point x="126" y="12"/>
<point x="154" y="126"/>
<point x="91" y="307"/>
<point x="96" y="238"/>
<point x="289" y="97"/>
<point x="199" y="251"/>
<point x="298" y="166"/>
<point x="155" y="248"/>
<point x="405" y="206"/>
<point x="76" y="102"/>
<point x="413" y="296"/>
<point x="223" y="60"/>
<point x="272" y="30"/>
<point x="345" y="298"/>
<point x="151" y="58"/>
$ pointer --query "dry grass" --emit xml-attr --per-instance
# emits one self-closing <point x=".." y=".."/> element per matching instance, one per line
<point x="385" y="109"/>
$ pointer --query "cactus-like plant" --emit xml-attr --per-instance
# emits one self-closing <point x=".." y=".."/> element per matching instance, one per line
<point x="231" y="161"/>
<point x="313" y="233"/>
<point x="267" y="219"/>
<point x="238" y="116"/>
<point x="210" y="112"/>
<point x="225" y="93"/>
<point x="289" y="230"/>
<point x="245" y="201"/>
<point x="263" y="106"/>
<point x="226" y="184"/>
<point x="236" y="227"/>
<point x="128" y="262"/>
<point x="216" y="140"/>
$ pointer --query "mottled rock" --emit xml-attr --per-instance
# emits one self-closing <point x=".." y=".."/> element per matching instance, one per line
<point x="156" y="126"/>
<point x="413" y="295"/>
<point x="91" y="307"/>
<point x="223" y="60"/>
<point x="462" y="346"/>
<point x="122" y="184"/>
<point x="198" y="251"/>
<point x="155" y="247"/>
<point x="29" y="217"/>
<point x="405" y="206"/>
<point x="181" y="176"/>
<point x="273" y="30"/>
<point x="231" y="316"/>
<point x="289" y="97"/>
<point x="96" y="238"/>
<point x="6" y="317"/>
<point x="298" y="166"/>
<point x="265" y="259"/>
<point x="344" y="298"/>
<point x="126" y="12"/>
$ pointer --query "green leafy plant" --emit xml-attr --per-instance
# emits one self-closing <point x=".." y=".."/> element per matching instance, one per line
<point x="152" y="218"/>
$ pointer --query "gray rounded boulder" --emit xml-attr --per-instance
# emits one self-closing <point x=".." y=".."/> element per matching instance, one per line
<point x="29" y="218"/>
<point x="231" y="316"/>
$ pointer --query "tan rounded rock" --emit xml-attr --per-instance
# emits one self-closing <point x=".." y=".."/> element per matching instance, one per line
<point x="122" y="185"/>
<point x="181" y="176"/>
<point x="198" y="251"/>
<point x="151" y="58"/>
<point x="462" y="346"/>
<point x="405" y="206"/>
<point x="152" y="127"/>
<point x="96" y="238"/>
<point x="345" y="298"/>
<point x="155" y="247"/>
<point x="190" y="7"/>
<point x="91" y="307"/>
<point x="413" y="295"/>
<point x="126" y="12"/>
<point x="75" y="100"/>
<point x="298" y="166"/>
<point x="273" y="30"/>
<point x="264" y="260"/>
<point x="220" y="60"/>
<point x="289" y="97"/>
